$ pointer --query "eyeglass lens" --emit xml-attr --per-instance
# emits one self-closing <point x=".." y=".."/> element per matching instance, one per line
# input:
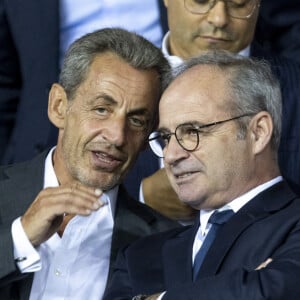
<point x="235" y="8"/>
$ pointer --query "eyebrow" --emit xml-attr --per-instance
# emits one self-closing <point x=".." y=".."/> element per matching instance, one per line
<point x="193" y="123"/>
<point x="111" y="101"/>
<point x="107" y="98"/>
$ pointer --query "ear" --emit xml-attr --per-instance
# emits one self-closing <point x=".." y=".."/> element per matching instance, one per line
<point x="261" y="129"/>
<point x="57" y="105"/>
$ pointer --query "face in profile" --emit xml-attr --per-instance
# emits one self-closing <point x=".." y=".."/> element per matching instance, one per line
<point x="213" y="173"/>
<point x="107" y="122"/>
<point x="192" y="33"/>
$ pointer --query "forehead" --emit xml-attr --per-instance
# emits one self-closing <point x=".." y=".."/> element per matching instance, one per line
<point x="199" y="94"/>
<point x="111" y="75"/>
<point x="109" y="65"/>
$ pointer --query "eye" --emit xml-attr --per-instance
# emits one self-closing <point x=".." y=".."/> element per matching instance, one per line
<point x="189" y="131"/>
<point x="165" y="138"/>
<point x="138" y="122"/>
<point x="237" y="4"/>
<point x="102" y="110"/>
<point x="200" y="1"/>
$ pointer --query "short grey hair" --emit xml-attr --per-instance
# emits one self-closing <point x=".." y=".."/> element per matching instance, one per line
<point x="253" y="87"/>
<point x="132" y="48"/>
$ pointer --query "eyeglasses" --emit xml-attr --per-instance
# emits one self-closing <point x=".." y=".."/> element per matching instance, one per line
<point x="187" y="136"/>
<point x="240" y="9"/>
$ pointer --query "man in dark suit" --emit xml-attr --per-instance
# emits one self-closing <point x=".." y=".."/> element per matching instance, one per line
<point x="63" y="215"/>
<point x="220" y="155"/>
<point x="194" y="30"/>
<point x="29" y="64"/>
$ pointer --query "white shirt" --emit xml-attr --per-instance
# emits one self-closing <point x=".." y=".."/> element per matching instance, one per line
<point x="76" y="265"/>
<point x="79" y="17"/>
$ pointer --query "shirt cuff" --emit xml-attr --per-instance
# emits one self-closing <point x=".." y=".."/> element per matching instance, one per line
<point x="161" y="296"/>
<point x="26" y="256"/>
<point x="141" y="194"/>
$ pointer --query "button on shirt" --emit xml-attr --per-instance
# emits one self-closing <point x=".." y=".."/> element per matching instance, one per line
<point x="75" y="266"/>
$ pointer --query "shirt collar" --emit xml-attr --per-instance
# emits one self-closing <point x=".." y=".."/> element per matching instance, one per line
<point x="176" y="60"/>
<point x="237" y="203"/>
<point x="50" y="180"/>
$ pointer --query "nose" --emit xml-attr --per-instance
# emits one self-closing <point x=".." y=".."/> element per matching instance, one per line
<point x="173" y="152"/>
<point x="115" y="131"/>
<point x="217" y="15"/>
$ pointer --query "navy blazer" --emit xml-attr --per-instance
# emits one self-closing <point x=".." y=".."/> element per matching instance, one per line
<point x="29" y="64"/>
<point x="19" y="185"/>
<point x="278" y="27"/>
<point x="266" y="227"/>
<point x="288" y="73"/>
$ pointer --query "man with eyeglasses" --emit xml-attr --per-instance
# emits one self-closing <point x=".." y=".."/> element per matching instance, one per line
<point x="197" y="26"/>
<point x="220" y="155"/>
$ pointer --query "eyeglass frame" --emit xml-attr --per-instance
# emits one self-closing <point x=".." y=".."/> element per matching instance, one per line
<point x="197" y="128"/>
<point x="257" y="5"/>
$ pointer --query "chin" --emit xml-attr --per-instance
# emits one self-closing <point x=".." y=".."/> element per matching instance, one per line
<point x="187" y="199"/>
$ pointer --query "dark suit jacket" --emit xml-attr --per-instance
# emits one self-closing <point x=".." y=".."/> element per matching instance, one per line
<point x="19" y="185"/>
<point x="267" y="227"/>
<point x="288" y="73"/>
<point x="29" y="64"/>
<point x="278" y="27"/>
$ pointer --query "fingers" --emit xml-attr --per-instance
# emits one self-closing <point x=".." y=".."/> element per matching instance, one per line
<point x="44" y="216"/>
<point x="76" y="199"/>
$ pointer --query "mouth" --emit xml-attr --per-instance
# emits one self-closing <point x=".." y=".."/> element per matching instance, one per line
<point x="215" y="39"/>
<point x="183" y="176"/>
<point x="105" y="161"/>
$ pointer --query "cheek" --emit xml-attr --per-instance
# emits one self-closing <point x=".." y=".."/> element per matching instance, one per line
<point x="180" y="22"/>
<point x="244" y="35"/>
<point x="136" y="142"/>
<point x="220" y="158"/>
<point x="235" y="162"/>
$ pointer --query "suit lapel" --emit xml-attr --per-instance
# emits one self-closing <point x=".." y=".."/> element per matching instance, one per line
<point x="177" y="255"/>
<point x="24" y="181"/>
<point x="130" y="223"/>
<point x="267" y="202"/>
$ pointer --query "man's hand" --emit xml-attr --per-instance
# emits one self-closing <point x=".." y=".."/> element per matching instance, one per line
<point x="45" y="215"/>
<point x="159" y="194"/>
